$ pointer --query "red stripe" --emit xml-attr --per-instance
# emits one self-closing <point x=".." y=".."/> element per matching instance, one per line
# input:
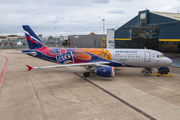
<point x="112" y="71"/>
<point x="3" y="70"/>
<point x="29" y="38"/>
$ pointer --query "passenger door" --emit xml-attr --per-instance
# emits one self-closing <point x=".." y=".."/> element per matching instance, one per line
<point x="147" y="56"/>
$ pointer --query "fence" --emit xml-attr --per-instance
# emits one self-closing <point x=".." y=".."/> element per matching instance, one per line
<point x="13" y="47"/>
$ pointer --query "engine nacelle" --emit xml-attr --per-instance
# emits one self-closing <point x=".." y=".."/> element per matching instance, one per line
<point x="107" y="71"/>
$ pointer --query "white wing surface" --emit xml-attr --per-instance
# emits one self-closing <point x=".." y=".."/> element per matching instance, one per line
<point x="70" y="65"/>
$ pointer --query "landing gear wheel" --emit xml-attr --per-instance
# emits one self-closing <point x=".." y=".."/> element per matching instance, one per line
<point x="86" y="74"/>
<point x="146" y="74"/>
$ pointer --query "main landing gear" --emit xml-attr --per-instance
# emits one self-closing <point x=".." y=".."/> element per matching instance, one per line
<point x="146" y="71"/>
<point x="88" y="70"/>
<point x="86" y="74"/>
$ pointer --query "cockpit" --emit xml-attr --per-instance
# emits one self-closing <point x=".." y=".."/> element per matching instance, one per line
<point x="161" y="56"/>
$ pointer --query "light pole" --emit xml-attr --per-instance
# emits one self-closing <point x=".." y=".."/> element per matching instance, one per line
<point x="56" y="37"/>
<point x="103" y="31"/>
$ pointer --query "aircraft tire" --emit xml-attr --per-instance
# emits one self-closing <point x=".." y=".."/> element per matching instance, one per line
<point x="86" y="74"/>
<point x="146" y="74"/>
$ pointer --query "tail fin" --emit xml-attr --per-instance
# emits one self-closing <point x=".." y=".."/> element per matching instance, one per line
<point x="33" y="41"/>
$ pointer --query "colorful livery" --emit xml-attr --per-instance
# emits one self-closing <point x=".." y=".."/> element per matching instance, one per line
<point x="102" y="61"/>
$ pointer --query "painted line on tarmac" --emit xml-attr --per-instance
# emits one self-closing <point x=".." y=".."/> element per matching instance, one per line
<point x="116" y="97"/>
<point x="4" y="68"/>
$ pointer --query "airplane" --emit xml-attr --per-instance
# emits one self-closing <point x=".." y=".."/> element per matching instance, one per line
<point x="101" y="60"/>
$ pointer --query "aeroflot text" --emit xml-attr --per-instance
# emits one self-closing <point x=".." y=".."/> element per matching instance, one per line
<point x="126" y="51"/>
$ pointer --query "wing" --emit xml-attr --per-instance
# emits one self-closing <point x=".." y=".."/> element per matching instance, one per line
<point x="70" y="65"/>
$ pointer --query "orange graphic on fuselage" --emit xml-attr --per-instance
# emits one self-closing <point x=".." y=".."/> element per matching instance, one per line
<point x="99" y="52"/>
<point x="81" y="55"/>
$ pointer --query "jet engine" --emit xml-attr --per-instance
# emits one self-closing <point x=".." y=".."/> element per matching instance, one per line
<point x="105" y="71"/>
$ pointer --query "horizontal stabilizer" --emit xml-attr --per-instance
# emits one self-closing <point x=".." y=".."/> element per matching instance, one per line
<point x="32" y="53"/>
<point x="29" y="67"/>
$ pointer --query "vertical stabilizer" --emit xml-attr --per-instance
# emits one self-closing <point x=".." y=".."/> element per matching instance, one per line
<point x="33" y="41"/>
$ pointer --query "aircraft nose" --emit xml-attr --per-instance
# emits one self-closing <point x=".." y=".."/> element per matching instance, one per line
<point x="169" y="61"/>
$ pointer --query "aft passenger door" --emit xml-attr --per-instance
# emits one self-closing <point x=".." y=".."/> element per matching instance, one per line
<point x="147" y="56"/>
<point x="44" y="54"/>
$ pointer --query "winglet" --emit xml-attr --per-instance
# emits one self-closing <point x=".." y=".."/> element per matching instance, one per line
<point x="29" y="67"/>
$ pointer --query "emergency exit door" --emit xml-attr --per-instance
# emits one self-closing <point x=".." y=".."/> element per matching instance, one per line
<point x="147" y="56"/>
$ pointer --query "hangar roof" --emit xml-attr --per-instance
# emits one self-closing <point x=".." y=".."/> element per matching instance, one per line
<point x="175" y="16"/>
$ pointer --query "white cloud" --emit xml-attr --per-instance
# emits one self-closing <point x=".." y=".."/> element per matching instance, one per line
<point x="101" y="1"/>
<point x="74" y="17"/>
<point x="116" y="12"/>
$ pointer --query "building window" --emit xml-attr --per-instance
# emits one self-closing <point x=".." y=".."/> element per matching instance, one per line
<point x="143" y="19"/>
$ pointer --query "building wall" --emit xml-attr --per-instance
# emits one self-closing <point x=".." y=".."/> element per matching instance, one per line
<point x="85" y="41"/>
<point x="169" y="31"/>
<point x="152" y="31"/>
<point x="168" y="46"/>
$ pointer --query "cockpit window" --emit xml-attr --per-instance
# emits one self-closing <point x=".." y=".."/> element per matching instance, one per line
<point x="161" y="56"/>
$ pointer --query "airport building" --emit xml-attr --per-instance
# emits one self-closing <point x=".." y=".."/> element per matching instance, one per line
<point x="86" y="41"/>
<point x="153" y="30"/>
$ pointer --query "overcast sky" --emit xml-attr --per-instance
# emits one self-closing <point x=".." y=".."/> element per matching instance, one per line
<point x="74" y="16"/>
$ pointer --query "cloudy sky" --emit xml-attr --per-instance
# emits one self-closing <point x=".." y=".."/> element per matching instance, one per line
<point x="74" y="16"/>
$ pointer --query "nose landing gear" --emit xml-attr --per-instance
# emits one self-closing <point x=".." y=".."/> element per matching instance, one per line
<point x="146" y="71"/>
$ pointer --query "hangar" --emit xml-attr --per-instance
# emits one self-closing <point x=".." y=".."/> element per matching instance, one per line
<point x="153" y="30"/>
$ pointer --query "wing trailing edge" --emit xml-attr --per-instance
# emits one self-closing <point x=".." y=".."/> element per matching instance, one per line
<point x="70" y="65"/>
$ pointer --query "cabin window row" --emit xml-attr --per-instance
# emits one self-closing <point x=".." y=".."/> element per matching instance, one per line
<point x="135" y="56"/>
<point x="81" y="55"/>
<point x="89" y="55"/>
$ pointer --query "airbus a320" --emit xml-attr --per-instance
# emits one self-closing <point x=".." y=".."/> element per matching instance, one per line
<point x="102" y="61"/>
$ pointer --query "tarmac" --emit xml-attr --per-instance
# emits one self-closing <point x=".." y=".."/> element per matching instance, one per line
<point x="64" y="94"/>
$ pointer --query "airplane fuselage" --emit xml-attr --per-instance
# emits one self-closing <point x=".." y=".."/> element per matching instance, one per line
<point x="116" y="57"/>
